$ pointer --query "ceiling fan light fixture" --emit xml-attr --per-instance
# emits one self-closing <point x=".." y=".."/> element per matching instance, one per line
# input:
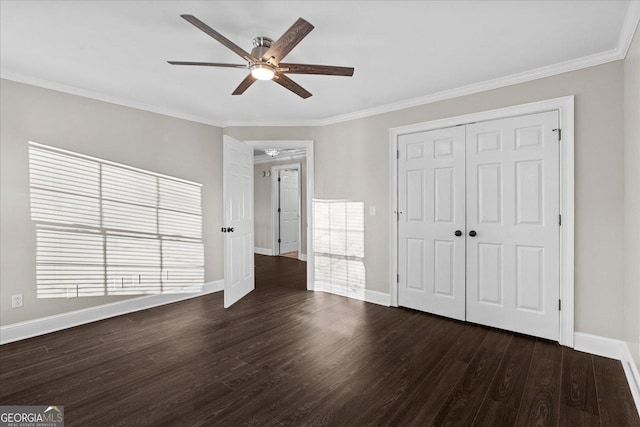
<point x="265" y="60"/>
<point x="271" y="152"/>
<point x="262" y="71"/>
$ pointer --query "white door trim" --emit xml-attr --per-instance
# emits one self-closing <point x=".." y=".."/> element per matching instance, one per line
<point x="308" y="146"/>
<point x="275" y="225"/>
<point x="565" y="107"/>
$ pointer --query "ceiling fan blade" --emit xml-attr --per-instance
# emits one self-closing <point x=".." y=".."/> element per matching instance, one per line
<point x="244" y="85"/>
<point x="294" y="87"/>
<point x="288" y="41"/>
<point x="207" y="64"/>
<point x="328" y="70"/>
<point x="219" y="37"/>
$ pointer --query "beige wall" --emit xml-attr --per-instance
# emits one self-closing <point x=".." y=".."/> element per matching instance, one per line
<point x="262" y="196"/>
<point x="137" y="138"/>
<point x="632" y="195"/>
<point x="351" y="161"/>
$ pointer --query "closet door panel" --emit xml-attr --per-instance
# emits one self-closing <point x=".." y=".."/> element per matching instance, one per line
<point x="431" y="258"/>
<point x="512" y="192"/>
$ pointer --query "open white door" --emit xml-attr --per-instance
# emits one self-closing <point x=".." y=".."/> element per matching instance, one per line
<point x="239" y="277"/>
<point x="289" y="211"/>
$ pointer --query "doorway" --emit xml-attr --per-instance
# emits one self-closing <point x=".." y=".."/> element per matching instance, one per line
<point x="286" y="190"/>
<point x="293" y="194"/>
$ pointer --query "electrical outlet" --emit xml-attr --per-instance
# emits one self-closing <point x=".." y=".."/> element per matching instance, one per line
<point x="16" y="301"/>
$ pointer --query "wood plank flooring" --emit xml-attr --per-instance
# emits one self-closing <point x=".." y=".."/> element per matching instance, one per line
<point x="284" y="356"/>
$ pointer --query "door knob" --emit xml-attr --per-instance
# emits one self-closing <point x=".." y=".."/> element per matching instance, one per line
<point x="230" y="229"/>
<point x="472" y="233"/>
<point x="458" y="233"/>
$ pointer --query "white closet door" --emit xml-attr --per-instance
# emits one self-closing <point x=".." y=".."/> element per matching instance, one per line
<point x="431" y="258"/>
<point x="289" y="211"/>
<point x="513" y="208"/>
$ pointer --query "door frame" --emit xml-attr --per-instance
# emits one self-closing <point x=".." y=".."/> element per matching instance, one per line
<point x="565" y="107"/>
<point x="308" y="146"/>
<point x="275" y="196"/>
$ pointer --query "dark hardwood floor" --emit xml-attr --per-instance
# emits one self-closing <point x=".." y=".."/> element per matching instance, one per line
<point x="285" y="356"/>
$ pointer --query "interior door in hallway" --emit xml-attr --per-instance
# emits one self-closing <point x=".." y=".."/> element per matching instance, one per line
<point x="431" y="221"/>
<point x="289" y="211"/>
<point x="513" y="229"/>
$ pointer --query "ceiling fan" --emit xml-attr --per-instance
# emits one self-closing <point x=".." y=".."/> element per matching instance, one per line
<point x="265" y="58"/>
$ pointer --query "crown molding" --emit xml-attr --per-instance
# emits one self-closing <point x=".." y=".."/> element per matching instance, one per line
<point x="98" y="96"/>
<point x="271" y="123"/>
<point x="538" y="73"/>
<point x="619" y="52"/>
<point x="629" y="26"/>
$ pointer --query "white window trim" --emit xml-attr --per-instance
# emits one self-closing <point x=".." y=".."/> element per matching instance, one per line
<point x="565" y="108"/>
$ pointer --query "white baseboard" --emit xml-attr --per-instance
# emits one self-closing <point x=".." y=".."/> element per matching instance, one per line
<point x="614" y="349"/>
<point x="45" y="325"/>
<point x="633" y="376"/>
<point x="302" y="257"/>
<point x="600" y="346"/>
<point x="377" y="297"/>
<point x="367" y="295"/>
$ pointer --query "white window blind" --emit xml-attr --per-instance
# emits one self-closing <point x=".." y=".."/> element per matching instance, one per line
<point x="338" y="244"/>
<point x="108" y="229"/>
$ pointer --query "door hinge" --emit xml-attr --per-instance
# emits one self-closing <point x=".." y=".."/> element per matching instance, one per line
<point x="559" y="133"/>
<point x="278" y="210"/>
<point x="278" y="179"/>
<point x="560" y="220"/>
<point x="279" y="240"/>
<point x="397" y="154"/>
<point x="397" y="278"/>
<point x="559" y="305"/>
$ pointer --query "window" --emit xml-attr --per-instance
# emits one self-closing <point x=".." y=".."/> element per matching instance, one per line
<point x="108" y="229"/>
<point x="338" y="244"/>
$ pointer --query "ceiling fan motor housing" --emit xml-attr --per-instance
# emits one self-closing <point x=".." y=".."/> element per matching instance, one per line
<point x="260" y="46"/>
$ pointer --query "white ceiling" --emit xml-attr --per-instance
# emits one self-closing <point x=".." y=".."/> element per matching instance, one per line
<point x="117" y="50"/>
